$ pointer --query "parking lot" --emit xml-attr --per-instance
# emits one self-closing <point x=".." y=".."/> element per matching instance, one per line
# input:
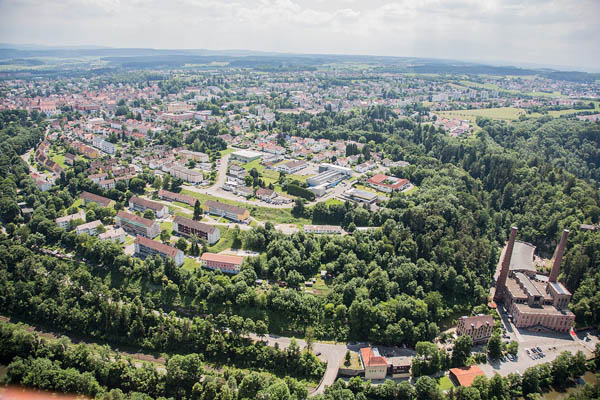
<point x="550" y="346"/>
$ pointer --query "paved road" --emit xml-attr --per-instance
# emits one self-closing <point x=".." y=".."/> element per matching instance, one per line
<point x="331" y="353"/>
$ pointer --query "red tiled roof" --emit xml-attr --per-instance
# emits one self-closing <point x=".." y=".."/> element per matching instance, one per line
<point x="135" y="218"/>
<point x="478" y="321"/>
<point x="103" y="201"/>
<point x="236" y="260"/>
<point x="153" y="205"/>
<point x="466" y="375"/>
<point x="194" y="224"/>
<point x="158" y="246"/>
<point x="370" y="359"/>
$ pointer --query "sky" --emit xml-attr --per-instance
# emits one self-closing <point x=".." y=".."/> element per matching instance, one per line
<point x="543" y="32"/>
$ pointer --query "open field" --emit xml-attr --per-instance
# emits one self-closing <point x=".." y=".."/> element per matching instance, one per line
<point x="501" y="113"/>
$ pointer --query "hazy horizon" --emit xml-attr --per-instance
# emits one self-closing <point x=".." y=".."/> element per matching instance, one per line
<point x="549" y="33"/>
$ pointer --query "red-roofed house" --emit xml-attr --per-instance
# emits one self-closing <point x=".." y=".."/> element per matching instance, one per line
<point x="388" y="183"/>
<point x="465" y="376"/>
<point x="145" y="247"/>
<point x="225" y="263"/>
<point x="374" y="364"/>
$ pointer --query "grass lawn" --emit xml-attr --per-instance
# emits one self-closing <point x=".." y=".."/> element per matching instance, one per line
<point x="411" y="190"/>
<point x="167" y="225"/>
<point x="225" y="242"/>
<point x="128" y="240"/>
<point x="500" y="113"/>
<point x="333" y="201"/>
<point x="254" y="164"/>
<point x="354" y="361"/>
<point x="58" y="158"/>
<point x="275" y="215"/>
<point x="445" y="383"/>
<point x="190" y="264"/>
<point x="229" y="150"/>
<point x="320" y="288"/>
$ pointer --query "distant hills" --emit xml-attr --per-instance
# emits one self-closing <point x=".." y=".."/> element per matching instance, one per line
<point x="34" y="56"/>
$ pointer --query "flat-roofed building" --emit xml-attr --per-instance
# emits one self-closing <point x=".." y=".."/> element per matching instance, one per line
<point x="94" y="198"/>
<point x="141" y="204"/>
<point x="245" y="155"/>
<point x="375" y="365"/>
<point x="63" y="222"/>
<point x="136" y="225"/>
<point x="225" y="263"/>
<point x="388" y="184"/>
<point x="233" y="213"/>
<point x="324" y="229"/>
<point x="114" y="235"/>
<point x="145" y="247"/>
<point x="479" y="327"/>
<point x="170" y="196"/>
<point x="361" y="196"/>
<point x="188" y="227"/>
<point x="91" y="228"/>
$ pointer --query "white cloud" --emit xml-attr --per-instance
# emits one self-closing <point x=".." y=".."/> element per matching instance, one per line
<point x="541" y="31"/>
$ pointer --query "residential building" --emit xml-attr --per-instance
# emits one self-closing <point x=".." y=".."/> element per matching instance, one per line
<point x="94" y="198"/>
<point x="135" y="225"/>
<point x="186" y="174"/>
<point x="323" y="229"/>
<point x="115" y="235"/>
<point x="479" y="327"/>
<point x="374" y="365"/>
<point x="188" y="227"/>
<point x="170" y="196"/>
<point x="145" y="247"/>
<point x="194" y="155"/>
<point x="366" y="166"/>
<point x="222" y="262"/>
<point x="265" y="194"/>
<point x="70" y="158"/>
<point x="91" y="228"/>
<point x="63" y="222"/>
<point x="534" y="302"/>
<point x="388" y="184"/>
<point x="141" y="204"/>
<point x="233" y="213"/>
<point x="104" y="145"/>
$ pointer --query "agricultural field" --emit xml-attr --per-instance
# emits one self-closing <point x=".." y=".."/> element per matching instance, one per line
<point x="501" y="113"/>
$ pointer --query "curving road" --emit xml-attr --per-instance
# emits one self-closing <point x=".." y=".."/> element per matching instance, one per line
<point x="331" y="353"/>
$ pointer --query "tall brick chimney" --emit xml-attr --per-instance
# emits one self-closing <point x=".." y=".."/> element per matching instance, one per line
<point x="501" y="282"/>
<point x="558" y="254"/>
